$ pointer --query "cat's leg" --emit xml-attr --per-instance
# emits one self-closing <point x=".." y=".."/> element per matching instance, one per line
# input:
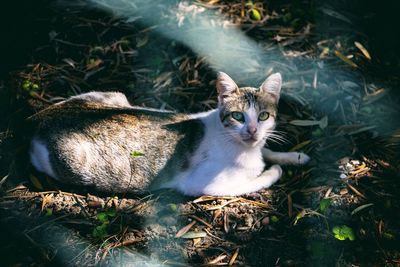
<point x="264" y="180"/>
<point x="239" y="187"/>
<point x="285" y="158"/>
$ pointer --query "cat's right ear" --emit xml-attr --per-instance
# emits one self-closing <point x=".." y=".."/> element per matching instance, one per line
<point x="272" y="85"/>
<point x="225" y="86"/>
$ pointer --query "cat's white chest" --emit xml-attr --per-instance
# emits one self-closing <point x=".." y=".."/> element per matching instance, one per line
<point x="219" y="171"/>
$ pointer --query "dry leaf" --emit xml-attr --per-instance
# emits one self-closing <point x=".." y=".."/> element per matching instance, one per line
<point x="356" y="191"/>
<point x="223" y="205"/>
<point x="196" y="241"/>
<point x="345" y="59"/>
<point x="94" y="64"/>
<point x="226" y="223"/>
<point x="300" y="146"/>
<point x="46" y="199"/>
<point x="361" y="208"/>
<point x="201" y="221"/>
<point x="322" y="122"/>
<point x="185" y="229"/>
<point x="193" y="235"/>
<point x="290" y="205"/>
<point x="363" y="50"/>
<point x="233" y="258"/>
<point x="142" y="40"/>
<point x="208" y="198"/>
<point x="216" y="214"/>
<point x="217" y="259"/>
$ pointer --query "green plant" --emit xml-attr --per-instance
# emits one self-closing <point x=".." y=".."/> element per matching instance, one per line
<point x="136" y="154"/>
<point x="100" y="231"/>
<point x="255" y="14"/>
<point x="324" y="204"/>
<point x="343" y="232"/>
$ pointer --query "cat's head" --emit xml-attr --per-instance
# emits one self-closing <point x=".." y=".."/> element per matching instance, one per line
<point x="248" y="114"/>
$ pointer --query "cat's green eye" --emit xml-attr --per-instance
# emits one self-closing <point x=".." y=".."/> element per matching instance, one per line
<point x="238" y="116"/>
<point x="263" y="116"/>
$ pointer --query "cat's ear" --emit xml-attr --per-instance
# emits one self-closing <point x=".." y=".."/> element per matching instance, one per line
<point x="272" y="85"/>
<point x="225" y="86"/>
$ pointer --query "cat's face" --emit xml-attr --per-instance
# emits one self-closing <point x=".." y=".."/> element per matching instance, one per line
<point x="248" y="114"/>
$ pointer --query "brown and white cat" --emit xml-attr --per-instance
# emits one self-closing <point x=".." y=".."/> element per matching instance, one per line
<point x="99" y="140"/>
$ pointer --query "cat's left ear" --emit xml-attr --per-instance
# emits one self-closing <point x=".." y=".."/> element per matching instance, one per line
<point x="272" y="85"/>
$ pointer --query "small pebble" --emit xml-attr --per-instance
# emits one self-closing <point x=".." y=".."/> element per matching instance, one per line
<point x="343" y="176"/>
<point x="265" y="221"/>
<point x="343" y="191"/>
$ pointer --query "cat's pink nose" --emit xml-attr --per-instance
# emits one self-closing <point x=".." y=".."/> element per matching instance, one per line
<point x="251" y="129"/>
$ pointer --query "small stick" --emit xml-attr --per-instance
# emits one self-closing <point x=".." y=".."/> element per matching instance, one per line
<point x="201" y="221"/>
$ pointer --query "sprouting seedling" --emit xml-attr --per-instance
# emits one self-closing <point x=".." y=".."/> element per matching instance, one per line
<point x="306" y="213"/>
<point x="100" y="231"/>
<point x="343" y="232"/>
<point x="28" y="85"/>
<point x="254" y="13"/>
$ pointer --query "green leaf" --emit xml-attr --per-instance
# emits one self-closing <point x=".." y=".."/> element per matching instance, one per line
<point x="299" y="215"/>
<point x="255" y="15"/>
<point x="304" y="213"/>
<point x="100" y="231"/>
<point x="136" y="153"/>
<point x="274" y="219"/>
<point x="102" y="217"/>
<point x="26" y="85"/>
<point x="111" y="213"/>
<point x="249" y="3"/>
<point x="49" y="212"/>
<point x="172" y="207"/>
<point x="317" y="132"/>
<point x="304" y="123"/>
<point x="343" y="232"/>
<point x="324" y="204"/>
<point x="389" y="235"/>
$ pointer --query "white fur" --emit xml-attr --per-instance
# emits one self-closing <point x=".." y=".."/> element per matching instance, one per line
<point x="230" y="168"/>
<point x="109" y="98"/>
<point x="290" y="158"/>
<point x="40" y="158"/>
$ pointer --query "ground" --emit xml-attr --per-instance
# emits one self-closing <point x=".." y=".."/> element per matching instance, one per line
<point x="339" y="105"/>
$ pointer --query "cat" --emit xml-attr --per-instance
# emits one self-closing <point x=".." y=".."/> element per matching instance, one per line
<point x="99" y="140"/>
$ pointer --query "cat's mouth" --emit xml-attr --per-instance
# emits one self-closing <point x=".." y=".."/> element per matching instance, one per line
<point x="251" y="140"/>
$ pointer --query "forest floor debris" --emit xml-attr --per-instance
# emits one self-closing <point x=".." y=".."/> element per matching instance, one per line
<point x="339" y="210"/>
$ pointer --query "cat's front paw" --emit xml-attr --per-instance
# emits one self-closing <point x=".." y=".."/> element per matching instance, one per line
<point x="276" y="170"/>
<point x="301" y="158"/>
<point x="272" y="175"/>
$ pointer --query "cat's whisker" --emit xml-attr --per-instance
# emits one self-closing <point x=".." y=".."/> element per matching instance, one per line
<point x="277" y="134"/>
<point x="279" y="137"/>
<point x="276" y="138"/>
<point x="281" y="133"/>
